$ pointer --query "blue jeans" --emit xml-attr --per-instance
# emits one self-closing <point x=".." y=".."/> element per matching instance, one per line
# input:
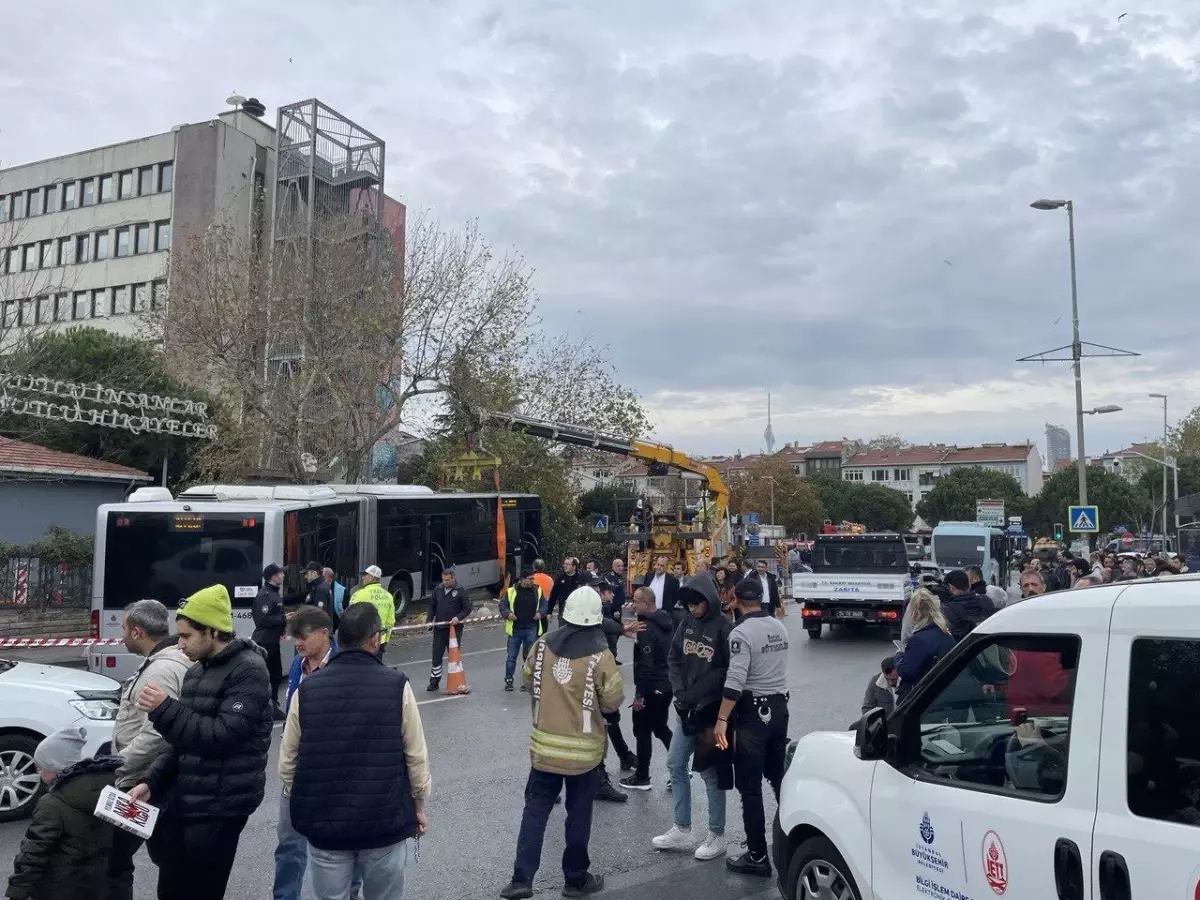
<point x="519" y="644"/>
<point x="336" y="872"/>
<point x="291" y="856"/>
<point x="540" y="791"/>
<point x="678" y="757"/>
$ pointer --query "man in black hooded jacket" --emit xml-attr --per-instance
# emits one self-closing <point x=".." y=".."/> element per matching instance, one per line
<point x="698" y="660"/>
<point x="652" y="685"/>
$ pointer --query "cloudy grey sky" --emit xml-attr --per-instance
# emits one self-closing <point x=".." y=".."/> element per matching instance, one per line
<point x="740" y="196"/>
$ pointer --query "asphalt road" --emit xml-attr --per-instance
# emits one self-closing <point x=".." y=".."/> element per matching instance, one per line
<point x="479" y="755"/>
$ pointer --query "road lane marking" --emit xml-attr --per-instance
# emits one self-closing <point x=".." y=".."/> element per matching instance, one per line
<point x="441" y="699"/>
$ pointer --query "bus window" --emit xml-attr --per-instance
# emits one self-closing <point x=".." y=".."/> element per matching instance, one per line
<point x="168" y="556"/>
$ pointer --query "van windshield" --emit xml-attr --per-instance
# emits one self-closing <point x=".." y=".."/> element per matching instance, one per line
<point x="954" y="551"/>
<point x="167" y="556"/>
<point x="848" y="555"/>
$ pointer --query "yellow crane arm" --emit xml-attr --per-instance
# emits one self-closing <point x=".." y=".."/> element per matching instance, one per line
<point x="645" y="451"/>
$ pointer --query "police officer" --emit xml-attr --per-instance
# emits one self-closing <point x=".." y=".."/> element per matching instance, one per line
<point x="755" y="708"/>
<point x="270" y="620"/>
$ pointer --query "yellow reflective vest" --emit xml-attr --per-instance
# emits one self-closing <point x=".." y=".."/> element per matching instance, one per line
<point x="511" y="594"/>
<point x="375" y="593"/>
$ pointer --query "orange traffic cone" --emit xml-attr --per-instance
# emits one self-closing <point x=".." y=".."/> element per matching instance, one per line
<point x="456" y="676"/>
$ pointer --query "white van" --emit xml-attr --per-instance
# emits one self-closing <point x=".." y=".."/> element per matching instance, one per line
<point x="1053" y="755"/>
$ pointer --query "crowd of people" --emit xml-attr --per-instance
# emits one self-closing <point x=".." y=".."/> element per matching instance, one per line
<point x="194" y="728"/>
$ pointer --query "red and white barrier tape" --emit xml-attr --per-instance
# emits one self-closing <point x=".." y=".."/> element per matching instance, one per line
<point x="39" y="643"/>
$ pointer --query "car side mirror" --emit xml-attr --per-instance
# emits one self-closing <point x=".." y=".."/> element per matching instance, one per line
<point x="870" y="739"/>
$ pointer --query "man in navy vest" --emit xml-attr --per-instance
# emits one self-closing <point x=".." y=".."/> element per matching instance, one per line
<point x="356" y="715"/>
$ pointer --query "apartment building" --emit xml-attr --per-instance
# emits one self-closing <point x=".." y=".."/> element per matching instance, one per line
<point x="85" y="238"/>
<point x="915" y="470"/>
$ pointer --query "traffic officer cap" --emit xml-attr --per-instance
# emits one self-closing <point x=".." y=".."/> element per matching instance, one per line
<point x="749" y="590"/>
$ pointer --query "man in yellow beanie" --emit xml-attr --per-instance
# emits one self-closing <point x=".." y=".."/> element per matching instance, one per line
<point x="213" y="774"/>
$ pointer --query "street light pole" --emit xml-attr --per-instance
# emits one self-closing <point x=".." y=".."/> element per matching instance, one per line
<point x="1076" y="360"/>
<point x="1166" y="430"/>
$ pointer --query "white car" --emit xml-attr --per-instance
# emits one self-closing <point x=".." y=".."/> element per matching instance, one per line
<point x="1051" y="755"/>
<point x="35" y="701"/>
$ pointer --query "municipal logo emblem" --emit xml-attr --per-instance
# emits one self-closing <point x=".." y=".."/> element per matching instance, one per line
<point x="995" y="863"/>
<point x="562" y="671"/>
<point x="926" y="829"/>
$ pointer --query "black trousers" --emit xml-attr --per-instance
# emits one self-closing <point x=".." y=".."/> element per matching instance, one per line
<point x="441" y="640"/>
<point x="274" y="665"/>
<point x="612" y="723"/>
<point x="759" y="751"/>
<point x="195" y="856"/>
<point x="650" y="722"/>
<point x="120" y="864"/>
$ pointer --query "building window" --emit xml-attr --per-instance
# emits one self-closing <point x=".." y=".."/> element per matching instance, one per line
<point x="100" y="244"/>
<point x="18" y="205"/>
<point x="166" y="176"/>
<point x="100" y="303"/>
<point x="68" y="196"/>
<point x="852" y="474"/>
<point x="162" y="236"/>
<point x="108" y="188"/>
<point x="35" y="202"/>
<point x="141" y="297"/>
<point x="927" y="479"/>
<point x="908" y="495"/>
<point x="45" y="310"/>
<point x="122" y="242"/>
<point x="901" y="474"/>
<point x="121" y="300"/>
<point x="83" y="248"/>
<point x="62" y="308"/>
<point x="11" y="312"/>
<point x="126" y="185"/>
<point x="48" y="256"/>
<point x="52" y="198"/>
<point x="66" y="251"/>
<point x="158" y="296"/>
<point x="146" y="180"/>
<point x="14" y="260"/>
<point x="879" y="474"/>
<point x="4" y="203"/>
<point x="88" y="191"/>
<point x="141" y="239"/>
<point x="31" y="257"/>
<point x="83" y="305"/>
<point x="26" y="313"/>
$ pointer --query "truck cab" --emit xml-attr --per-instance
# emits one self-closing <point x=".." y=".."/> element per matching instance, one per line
<point x="856" y="580"/>
<point x="1054" y="754"/>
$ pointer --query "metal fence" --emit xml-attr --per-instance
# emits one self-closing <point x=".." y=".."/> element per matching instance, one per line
<point x="39" y="585"/>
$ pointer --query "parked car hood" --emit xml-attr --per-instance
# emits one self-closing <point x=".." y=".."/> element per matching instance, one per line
<point x="39" y="676"/>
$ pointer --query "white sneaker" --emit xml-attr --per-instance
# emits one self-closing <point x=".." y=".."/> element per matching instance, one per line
<point x="675" y="839"/>
<point x="713" y="846"/>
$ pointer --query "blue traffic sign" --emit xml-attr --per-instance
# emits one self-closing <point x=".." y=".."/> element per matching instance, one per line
<point x="752" y="518"/>
<point x="599" y="524"/>
<point x="753" y="541"/>
<point x="1083" y="519"/>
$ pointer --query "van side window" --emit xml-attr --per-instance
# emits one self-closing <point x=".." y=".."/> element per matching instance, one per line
<point x="1164" y="730"/>
<point x="1003" y="721"/>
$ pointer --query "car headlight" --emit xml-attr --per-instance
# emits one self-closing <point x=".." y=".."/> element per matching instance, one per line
<point x="96" y="709"/>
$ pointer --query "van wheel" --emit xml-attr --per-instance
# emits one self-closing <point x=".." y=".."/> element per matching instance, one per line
<point x="20" y="783"/>
<point x="814" y="632"/>
<point x="402" y="595"/>
<point x="818" y="872"/>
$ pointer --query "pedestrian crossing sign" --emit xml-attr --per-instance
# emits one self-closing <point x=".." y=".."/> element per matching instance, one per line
<point x="1083" y="519"/>
<point x="599" y="524"/>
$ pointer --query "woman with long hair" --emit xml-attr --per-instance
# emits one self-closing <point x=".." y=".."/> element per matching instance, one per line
<point x="725" y="587"/>
<point x="929" y="642"/>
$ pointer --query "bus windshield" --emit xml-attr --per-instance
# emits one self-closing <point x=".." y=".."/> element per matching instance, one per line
<point x="953" y="551"/>
<point x="834" y="555"/>
<point x="170" y="555"/>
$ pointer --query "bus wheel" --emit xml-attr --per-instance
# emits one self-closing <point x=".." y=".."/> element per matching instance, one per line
<point x="402" y="595"/>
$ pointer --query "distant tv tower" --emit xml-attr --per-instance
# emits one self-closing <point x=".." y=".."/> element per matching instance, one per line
<point x="769" y="434"/>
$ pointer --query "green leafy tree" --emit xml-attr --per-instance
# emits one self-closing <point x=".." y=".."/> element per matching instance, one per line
<point x="1185" y="436"/>
<point x="953" y="498"/>
<point x="90" y="355"/>
<point x="797" y="507"/>
<point x="1118" y="501"/>
<point x="1149" y="482"/>
<point x="877" y="507"/>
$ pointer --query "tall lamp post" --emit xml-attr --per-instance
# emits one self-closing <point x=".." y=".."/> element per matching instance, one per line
<point x="1076" y="346"/>
<point x="1166" y="433"/>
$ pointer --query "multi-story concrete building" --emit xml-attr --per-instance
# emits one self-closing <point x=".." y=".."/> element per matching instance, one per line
<point x="1058" y="446"/>
<point x="85" y="238"/>
<point x="915" y="470"/>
